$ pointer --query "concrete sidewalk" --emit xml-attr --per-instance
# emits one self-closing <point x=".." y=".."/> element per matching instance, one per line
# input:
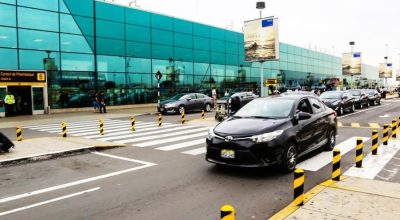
<point x="50" y="147"/>
<point x="350" y="198"/>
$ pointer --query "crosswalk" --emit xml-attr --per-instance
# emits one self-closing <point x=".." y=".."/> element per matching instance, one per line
<point x="169" y="137"/>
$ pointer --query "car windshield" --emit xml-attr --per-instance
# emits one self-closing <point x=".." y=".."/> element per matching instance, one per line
<point x="371" y="92"/>
<point x="266" y="108"/>
<point x="356" y="93"/>
<point x="331" y="95"/>
<point x="176" y="97"/>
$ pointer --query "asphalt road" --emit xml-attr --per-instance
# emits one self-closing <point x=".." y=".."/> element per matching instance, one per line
<point x="145" y="183"/>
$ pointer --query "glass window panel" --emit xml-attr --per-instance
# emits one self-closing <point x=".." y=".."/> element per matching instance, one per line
<point x="183" y="40"/>
<point x="201" y="43"/>
<point x="162" y="52"/>
<point x="37" y="19"/>
<point x="111" y="64"/>
<point x="231" y="59"/>
<point x="161" y="22"/>
<point x="161" y="37"/>
<point x="201" y="56"/>
<point x="218" y="46"/>
<point x="201" y="30"/>
<point x="183" y="54"/>
<point x="218" y="58"/>
<point x="231" y="48"/>
<point x="41" y="4"/>
<point x="68" y="24"/>
<point x="231" y="36"/>
<point x="8" y="1"/>
<point x="38" y="40"/>
<point x="8" y="37"/>
<point x="77" y="62"/>
<point x="85" y="24"/>
<point x="81" y="7"/>
<point x="108" y="11"/>
<point x="138" y="17"/>
<point x="232" y="71"/>
<point x="137" y="33"/>
<point x="134" y="49"/>
<point x="183" y="26"/>
<point x="202" y="69"/>
<point x="75" y="43"/>
<point x="110" y="29"/>
<point x="114" y="87"/>
<point x="8" y="15"/>
<point x="217" y="70"/>
<point x="34" y="60"/>
<point x="138" y="65"/>
<point x="110" y="47"/>
<point x="79" y="88"/>
<point x="9" y="58"/>
<point x="283" y="47"/>
<point x="139" y="88"/>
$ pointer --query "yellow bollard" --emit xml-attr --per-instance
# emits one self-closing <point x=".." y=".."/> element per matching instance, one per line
<point x="101" y="127"/>
<point x="298" y="187"/>
<point x="227" y="212"/>
<point x="359" y="153"/>
<point x="394" y="128"/>
<point x="336" y="165"/>
<point x="183" y="117"/>
<point x="202" y="114"/>
<point x="133" y="123"/>
<point x="64" y="129"/>
<point x="374" y="147"/>
<point x="385" y="134"/>
<point x="19" y="133"/>
<point x="159" y="120"/>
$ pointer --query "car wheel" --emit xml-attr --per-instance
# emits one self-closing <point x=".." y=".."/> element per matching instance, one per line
<point x="361" y="105"/>
<point x="181" y="109"/>
<point x="208" y="107"/>
<point x="331" y="140"/>
<point x="289" y="158"/>
<point x="367" y="104"/>
<point x="341" y="110"/>
<point x="353" y="108"/>
<point x="379" y="102"/>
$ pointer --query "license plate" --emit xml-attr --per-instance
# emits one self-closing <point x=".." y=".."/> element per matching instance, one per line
<point x="229" y="154"/>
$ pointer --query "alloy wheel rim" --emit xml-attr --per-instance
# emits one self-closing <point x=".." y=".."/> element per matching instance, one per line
<point x="332" y="139"/>
<point x="341" y="110"/>
<point x="208" y="108"/>
<point x="291" y="155"/>
<point x="181" y="109"/>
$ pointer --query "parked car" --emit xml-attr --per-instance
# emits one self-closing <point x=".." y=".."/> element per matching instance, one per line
<point x="185" y="102"/>
<point x="360" y="98"/>
<point x="374" y="97"/>
<point x="275" y="130"/>
<point x="340" y="101"/>
<point x="244" y="97"/>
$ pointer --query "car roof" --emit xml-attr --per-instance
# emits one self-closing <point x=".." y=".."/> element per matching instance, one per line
<point x="291" y="97"/>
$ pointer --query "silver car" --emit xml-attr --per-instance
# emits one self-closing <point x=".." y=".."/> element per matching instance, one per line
<point x="185" y="102"/>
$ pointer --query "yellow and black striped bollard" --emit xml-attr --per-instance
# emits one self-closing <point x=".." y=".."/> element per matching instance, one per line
<point x="394" y="128"/>
<point x="359" y="153"/>
<point x="64" y="129"/>
<point x="398" y="125"/>
<point x="101" y="127"/>
<point x="385" y="136"/>
<point x="159" y="120"/>
<point x="374" y="147"/>
<point x="133" y="123"/>
<point x="202" y="114"/>
<point x="298" y="187"/>
<point x="336" y="165"/>
<point x="227" y="212"/>
<point x="183" y="118"/>
<point x="19" y="133"/>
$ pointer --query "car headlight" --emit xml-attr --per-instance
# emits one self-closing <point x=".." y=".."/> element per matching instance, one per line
<point x="211" y="134"/>
<point x="267" y="136"/>
<point x="170" y="105"/>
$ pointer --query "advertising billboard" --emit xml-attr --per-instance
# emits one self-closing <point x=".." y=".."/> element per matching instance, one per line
<point x="385" y="70"/>
<point x="261" y="39"/>
<point x="351" y="64"/>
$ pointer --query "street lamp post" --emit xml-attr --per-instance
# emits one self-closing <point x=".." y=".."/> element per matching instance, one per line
<point x="158" y="77"/>
<point x="261" y="6"/>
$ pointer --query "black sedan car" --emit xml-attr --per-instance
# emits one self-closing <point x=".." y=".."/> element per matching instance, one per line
<point x="360" y="98"/>
<point x="273" y="130"/>
<point x="340" y="101"/>
<point x="374" y="97"/>
<point x="186" y="102"/>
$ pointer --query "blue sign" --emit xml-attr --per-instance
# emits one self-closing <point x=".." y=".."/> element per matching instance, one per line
<point x="267" y="23"/>
<point x="389" y="64"/>
<point x="356" y="55"/>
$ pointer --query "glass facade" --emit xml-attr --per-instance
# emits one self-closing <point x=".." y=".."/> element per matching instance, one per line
<point x="88" y="46"/>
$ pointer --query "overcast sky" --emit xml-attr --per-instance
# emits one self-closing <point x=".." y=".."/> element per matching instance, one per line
<point x="325" y="25"/>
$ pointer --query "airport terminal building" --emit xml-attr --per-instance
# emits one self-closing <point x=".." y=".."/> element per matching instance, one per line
<point x="87" y="46"/>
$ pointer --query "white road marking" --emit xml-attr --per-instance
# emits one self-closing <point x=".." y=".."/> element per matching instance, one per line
<point x="48" y="201"/>
<point x="372" y="165"/>
<point x="109" y="128"/>
<point x="197" y="151"/>
<point x="182" y="145"/>
<point x="82" y="181"/>
<point x="360" y="111"/>
<point x="54" y="125"/>
<point x="317" y="162"/>
<point x="86" y="127"/>
<point x="163" y="141"/>
<point x="161" y="136"/>
<point x="385" y="116"/>
<point x="128" y="133"/>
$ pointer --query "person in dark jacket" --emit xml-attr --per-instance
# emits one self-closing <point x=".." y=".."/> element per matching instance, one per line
<point x="102" y="102"/>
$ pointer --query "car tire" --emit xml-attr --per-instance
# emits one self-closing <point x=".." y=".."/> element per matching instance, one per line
<point x="379" y="102"/>
<point x="340" y="110"/>
<point x="181" y="109"/>
<point x="353" y="108"/>
<point x="331" y="140"/>
<point x="367" y="104"/>
<point x="360" y="106"/>
<point x="207" y="108"/>
<point x="289" y="158"/>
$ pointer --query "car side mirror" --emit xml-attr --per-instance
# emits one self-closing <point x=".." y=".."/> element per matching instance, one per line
<point x="188" y="99"/>
<point x="345" y="97"/>
<point x="303" y="116"/>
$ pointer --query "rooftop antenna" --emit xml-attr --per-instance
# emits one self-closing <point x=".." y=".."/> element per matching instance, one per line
<point x="135" y="4"/>
<point x="260" y="6"/>
<point x="352" y="45"/>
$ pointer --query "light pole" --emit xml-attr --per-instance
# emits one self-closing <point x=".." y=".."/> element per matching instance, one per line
<point x="261" y="6"/>
<point x="351" y="43"/>
<point x="158" y="77"/>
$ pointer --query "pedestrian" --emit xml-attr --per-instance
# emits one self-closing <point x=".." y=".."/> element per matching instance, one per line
<point x="102" y="102"/>
<point x="96" y="103"/>
<point x="226" y="93"/>
<point x="9" y="104"/>
<point x="214" y="96"/>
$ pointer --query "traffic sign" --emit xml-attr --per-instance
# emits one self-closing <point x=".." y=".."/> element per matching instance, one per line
<point x="158" y="76"/>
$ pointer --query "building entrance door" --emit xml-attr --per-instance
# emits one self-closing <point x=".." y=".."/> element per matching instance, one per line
<point x="23" y="99"/>
<point x="38" y="97"/>
<point x="3" y="92"/>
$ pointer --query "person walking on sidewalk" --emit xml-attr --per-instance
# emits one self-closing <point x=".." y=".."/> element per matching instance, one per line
<point x="9" y="104"/>
<point x="214" y="96"/>
<point x="96" y="103"/>
<point x="102" y="103"/>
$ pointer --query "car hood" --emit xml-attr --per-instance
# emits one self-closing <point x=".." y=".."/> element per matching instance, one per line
<point x="244" y="127"/>
<point x="168" y="102"/>
<point x="329" y="101"/>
